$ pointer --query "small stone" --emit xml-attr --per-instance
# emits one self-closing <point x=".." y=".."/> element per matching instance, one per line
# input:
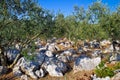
<point x="94" y="77"/>
<point x="116" y="77"/>
<point x="40" y="73"/>
<point x="117" y="71"/>
<point x="24" y="77"/>
<point x="49" y="53"/>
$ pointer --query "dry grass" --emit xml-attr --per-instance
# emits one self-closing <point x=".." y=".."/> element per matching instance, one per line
<point x="83" y="75"/>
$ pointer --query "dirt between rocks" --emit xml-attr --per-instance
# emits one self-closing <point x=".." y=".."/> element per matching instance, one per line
<point x="81" y="75"/>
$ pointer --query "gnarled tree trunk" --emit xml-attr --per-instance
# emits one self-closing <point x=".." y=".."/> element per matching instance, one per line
<point x="2" y="57"/>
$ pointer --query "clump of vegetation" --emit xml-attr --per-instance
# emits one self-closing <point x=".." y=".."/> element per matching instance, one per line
<point x="117" y="66"/>
<point x="28" y="55"/>
<point x="103" y="71"/>
<point x="28" y="52"/>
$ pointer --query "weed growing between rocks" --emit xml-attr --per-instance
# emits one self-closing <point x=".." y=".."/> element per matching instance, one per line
<point x="102" y="70"/>
<point x="117" y="66"/>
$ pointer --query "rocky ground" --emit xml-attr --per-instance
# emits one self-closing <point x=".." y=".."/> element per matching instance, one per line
<point x="62" y="59"/>
<point x="82" y="75"/>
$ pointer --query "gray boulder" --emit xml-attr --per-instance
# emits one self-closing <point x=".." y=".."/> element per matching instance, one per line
<point x="25" y="66"/>
<point x="85" y="63"/>
<point x="55" y="67"/>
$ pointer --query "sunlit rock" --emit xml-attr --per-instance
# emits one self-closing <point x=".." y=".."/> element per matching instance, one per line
<point x="26" y="66"/>
<point x="40" y="73"/>
<point x="49" y="53"/>
<point x="94" y="77"/>
<point x="24" y="77"/>
<point x="55" y="67"/>
<point x="52" y="47"/>
<point x="85" y="63"/>
<point x="105" y="43"/>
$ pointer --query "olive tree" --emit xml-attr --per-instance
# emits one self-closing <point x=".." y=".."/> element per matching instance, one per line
<point x="21" y="21"/>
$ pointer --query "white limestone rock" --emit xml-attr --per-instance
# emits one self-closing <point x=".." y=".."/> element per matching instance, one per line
<point x="52" y="47"/>
<point x="52" y="71"/>
<point x="116" y="77"/>
<point x="24" y="77"/>
<point x="49" y="53"/>
<point x="40" y="73"/>
<point x="55" y="67"/>
<point x="25" y="66"/>
<point x="85" y="63"/>
<point x="97" y="78"/>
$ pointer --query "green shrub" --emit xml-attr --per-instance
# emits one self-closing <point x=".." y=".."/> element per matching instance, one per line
<point x="103" y="71"/>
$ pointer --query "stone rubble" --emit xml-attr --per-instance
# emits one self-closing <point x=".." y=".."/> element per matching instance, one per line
<point x="54" y="57"/>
